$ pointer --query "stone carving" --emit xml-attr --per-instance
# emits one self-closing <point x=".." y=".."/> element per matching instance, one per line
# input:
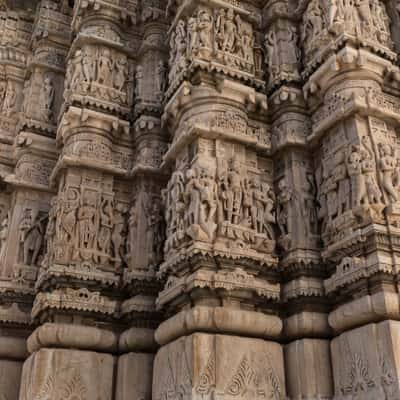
<point x="367" y="20"/>
<point x="214" y="175"/>
<point x="221" y="32"/>
<point x="283" y="56"/>
<point x="202" y="206"/>
<point x="31" y="233"/>
<point x="99" y="72"/>
<point x="46" y="99"/>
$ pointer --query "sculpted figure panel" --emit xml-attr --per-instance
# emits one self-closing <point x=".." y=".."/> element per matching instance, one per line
<point x="366" y="20"/>
<point x="100" y="72"/>
<point x="217" y="35"/>
<point x="217" y="201"/>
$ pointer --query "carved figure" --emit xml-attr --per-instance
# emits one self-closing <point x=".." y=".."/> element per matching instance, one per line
<point x="285" y="197"/>
<point x="205" y="29"/>
<point x="88" y="64"/>
<point x="10" y="100"/>
<point x="139" y="76"/>
<point x="273" y="55"/>
<point x="155" y="232"/>
<point x="357" y="178"/>
<point x="121" y="73"/>
<point x="77" y="67"/>
<point x="192" y="36"/>
<point x="30" y="237"/>
<point x="343" y="185"/>
<point x="230" y="32"/>
<point x="234" y="200"/>
<point x="313" y="21"/>
<point x="192" y="196"/>
<point x="46" y="99"/>
<point x="50" y="232"/>
<point x="106" y="218"/>
<point x="118" y="233"/>
<point x="387" y="166"/>
<point x="87" y="224"/>
<point x="161" y="76"/>
<point x="3" y="237"/>
<point x="105" y="68"/>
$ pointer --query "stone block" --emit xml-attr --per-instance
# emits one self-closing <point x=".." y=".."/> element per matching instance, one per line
<point x="219" y="367"/>
<point x="134" y="377"/>
<point x="10" y="379"/>
<point x="308" y="370"/>
<point x="54" y="374"/>
<point x="366" y="362"/>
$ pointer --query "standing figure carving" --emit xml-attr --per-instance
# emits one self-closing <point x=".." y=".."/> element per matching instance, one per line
<point x="46" y="99"/>
<point x="10" y="100"/>
<point x="387" y="166"/>
<point x="357" y="178"/>
<point x="105" y="68"/>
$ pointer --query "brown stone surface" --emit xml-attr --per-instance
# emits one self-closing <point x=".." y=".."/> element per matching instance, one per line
<point x="209" y="182"/>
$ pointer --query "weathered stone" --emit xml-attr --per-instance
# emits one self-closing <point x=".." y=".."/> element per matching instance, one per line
<point x="135" y="373"/>
<point x="205" y="180"/>
<point x="67" y="374"/>
<point x="204" y="366"/>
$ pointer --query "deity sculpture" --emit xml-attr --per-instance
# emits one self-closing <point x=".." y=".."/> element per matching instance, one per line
<point x="46" y="99"/>
<point x="205" y="29"/>
<point x="87" y="225"/>
<point x="3" y="237"/>
<point x="88" y="64"/>
<point x="387" y="166"/>
<point x="285" y="198"/>
<point x="118" y="233"/>
<point x="121" y="73"/>
<point x="10" y="100"/>
<point x="357" y="178"/>
<point x="30" y="237"/>
<point x="77" y="76"/>
<point x="105" y="68"/>
<point x="106" y="218"/>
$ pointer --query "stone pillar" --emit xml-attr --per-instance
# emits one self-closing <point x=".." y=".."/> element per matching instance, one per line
<point x="78" y="284"/>
<point x="222" y="289"/>
<point x="19" y="183"/>
<point x="354" y="122"/>
<point x="146" y="223"/>
<point x="306" y="326"/>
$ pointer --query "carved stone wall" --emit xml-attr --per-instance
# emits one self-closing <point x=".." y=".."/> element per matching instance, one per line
<point x="199" y="199"/>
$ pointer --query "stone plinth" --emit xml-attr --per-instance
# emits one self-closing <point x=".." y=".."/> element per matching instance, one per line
<point x="308" y="369"/>
<point x="366" y="362"/>
<point x="67" y="374"/>
<point x="134" y="379"/>
<point x="203" y="366"/>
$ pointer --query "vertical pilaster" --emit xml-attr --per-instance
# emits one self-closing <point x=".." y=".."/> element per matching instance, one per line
<point x="222" y="285"/>
<point x="304" y="307"/>
<point x="18" y="179"/>
<point x="78" y="286"/>
<point x="146" y="223"/>
<point x="347" y="56"/>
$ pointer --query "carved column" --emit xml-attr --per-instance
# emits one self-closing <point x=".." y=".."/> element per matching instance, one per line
<point x="146" y="224"/>
<point x="349" y="64"/>
<point x="18" y="193"/>
<point x="78" y="284"/>
<point x="304" y="306"/>
<point x="220" y="263"/>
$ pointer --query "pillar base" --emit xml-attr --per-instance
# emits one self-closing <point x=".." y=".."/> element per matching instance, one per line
<point x="215" y="367"/>
<point x="67" y="374"/>
<point x="134" y="379"/>
<point x="10" y="379"/>
<point x="308" y="370"/>
<point x="366" y="362"/>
